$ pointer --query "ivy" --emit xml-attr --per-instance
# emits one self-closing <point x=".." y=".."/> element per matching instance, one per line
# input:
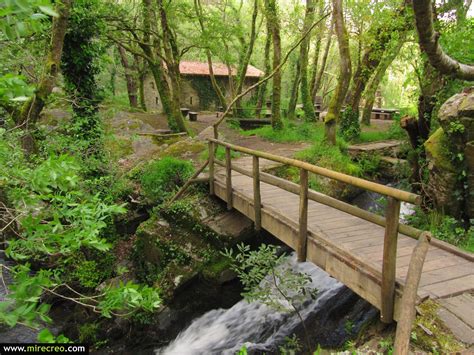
<point x="205" y="91"/>
<point x="80" y="67"/>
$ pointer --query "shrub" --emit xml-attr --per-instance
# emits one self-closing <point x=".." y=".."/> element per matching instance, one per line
<point x="161" y="178"/>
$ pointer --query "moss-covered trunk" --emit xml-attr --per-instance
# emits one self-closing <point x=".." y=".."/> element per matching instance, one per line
<point x="370" y="91"/>
<point x="129" y="78"/>
<point x="304" y="54"/>
<point x="344" y="77"/>
<point x="262" y="90"/>
<point x="271" y="9"/>
<point x="31" y="109"/>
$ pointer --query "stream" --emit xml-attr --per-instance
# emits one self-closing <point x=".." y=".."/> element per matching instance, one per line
<point x="332" y="317"/>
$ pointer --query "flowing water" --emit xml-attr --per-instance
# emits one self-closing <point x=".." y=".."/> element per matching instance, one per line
<point x="260" y="328"/>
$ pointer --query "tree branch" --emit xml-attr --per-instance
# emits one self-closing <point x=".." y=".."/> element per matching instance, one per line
<point x="428" y="39"/>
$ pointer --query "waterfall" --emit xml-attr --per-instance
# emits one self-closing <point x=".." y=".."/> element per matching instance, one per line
<point x="258" y="327"/>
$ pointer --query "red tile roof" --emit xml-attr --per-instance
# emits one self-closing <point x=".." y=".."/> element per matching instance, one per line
<point x="219" y="69"/>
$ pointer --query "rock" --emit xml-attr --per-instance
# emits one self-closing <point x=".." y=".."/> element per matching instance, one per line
<point x="231" y="224"/>
<point x="450" y="154"/>
<point x="205" y="134"/>
<point x="163" y="223"/>
<point x="466" y="107"/>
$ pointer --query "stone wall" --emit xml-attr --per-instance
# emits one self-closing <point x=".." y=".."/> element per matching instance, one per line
<point x="196" y="93"/>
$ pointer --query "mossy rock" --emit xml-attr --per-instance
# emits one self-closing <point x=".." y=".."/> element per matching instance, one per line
<point x="436" y="149"/>
<point x="218" y="270"/>
<point x="184" y="148"/>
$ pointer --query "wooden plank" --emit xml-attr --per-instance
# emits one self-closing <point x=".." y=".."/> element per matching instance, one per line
<point x="447" y="273"/>
<point x="256" y="194"/>
<point x="452" y="287"/>
<point x="435" y="264"/>
<point x="303" y="216"/>
<point x="389" y="267"/>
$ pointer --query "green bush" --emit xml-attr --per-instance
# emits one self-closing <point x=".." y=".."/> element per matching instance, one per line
<point x="161" y="178"/>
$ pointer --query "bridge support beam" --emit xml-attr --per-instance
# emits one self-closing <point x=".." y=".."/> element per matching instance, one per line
<point x="257" y="200"/>
<point x="228" y="170"/>
<point x="303" y="218"/>
<point x="392" y="216"/>
<point x="211" y="167"/>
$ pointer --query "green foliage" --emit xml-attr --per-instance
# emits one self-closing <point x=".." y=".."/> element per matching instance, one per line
<point x="265" y="279"/>
<point x="19" y="18"/>
<point x="161" y="178"/>
<point x="58" y="219"/>
<point x="444" y="227"/>
<point x="56" y="214"/>
<point x="350" y="127"/>
<point x="45" y="336"/>
<point x="13" y="88"/>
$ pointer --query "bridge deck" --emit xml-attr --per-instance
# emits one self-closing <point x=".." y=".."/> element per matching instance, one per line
<point x="347" y="247"/>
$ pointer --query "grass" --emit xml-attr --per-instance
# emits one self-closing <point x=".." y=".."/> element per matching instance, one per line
<point x="314" y="132"/>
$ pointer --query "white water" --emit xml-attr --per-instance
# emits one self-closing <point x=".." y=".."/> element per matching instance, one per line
<point x="225" y="331"/>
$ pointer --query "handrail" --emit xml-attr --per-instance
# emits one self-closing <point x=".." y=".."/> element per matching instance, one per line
<point x="348" y="179"/>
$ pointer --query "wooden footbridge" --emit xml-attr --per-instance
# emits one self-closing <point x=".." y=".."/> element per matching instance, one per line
<point x="368" y="253"/>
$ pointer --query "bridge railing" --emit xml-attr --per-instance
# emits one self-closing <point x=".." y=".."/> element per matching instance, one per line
<point x="390" y="222"/>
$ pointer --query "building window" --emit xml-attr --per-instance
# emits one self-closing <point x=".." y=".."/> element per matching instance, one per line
<point x="190" y="100"/>
<point x="157" y="101"/>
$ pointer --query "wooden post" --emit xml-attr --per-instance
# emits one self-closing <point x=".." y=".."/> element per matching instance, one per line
<point x="407" y="310"/>
<point x="228" y="169"/>
<point x="392" y="215"/>
<point x="256" y="194"/>
<point x="303" y="220"/>
<point x="211" y="168"/>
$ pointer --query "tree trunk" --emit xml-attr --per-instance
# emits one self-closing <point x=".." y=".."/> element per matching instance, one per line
<point x="370" y="91"/>
<point x="304" y="49"/>
<point x="317" y="50"/>
<point x="337" y="100"/>
<point x="248" y="49"/>
<point x="168" y="100"/>
<point x="272" y="18"/>
<point x="129" y="78"/>
<point x="31" y="109"/>
<point x="263" y="88"/>
<point x="172" y="62"/>
<point x="294" y="91"/>
<point x="319" y="76"/>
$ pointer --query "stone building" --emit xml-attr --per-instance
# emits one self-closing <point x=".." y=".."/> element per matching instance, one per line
<point x="196" y="89"/>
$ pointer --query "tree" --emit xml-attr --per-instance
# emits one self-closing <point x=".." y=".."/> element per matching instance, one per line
<point x="316" y="83"/>
<point x="158" y="48"/>
<point x="429" y="43"/>
<point x="204" y="33"/>
<point x="371" y="89"/>
<point x="129" y="77"/>
<point x="247" y="50"/>
<point x="29" y="113"/>
<point x="271" y="10"/>
<point x="304" y="54"/>
<point x="262" y="89"/>
<point x="344" y="77"/>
